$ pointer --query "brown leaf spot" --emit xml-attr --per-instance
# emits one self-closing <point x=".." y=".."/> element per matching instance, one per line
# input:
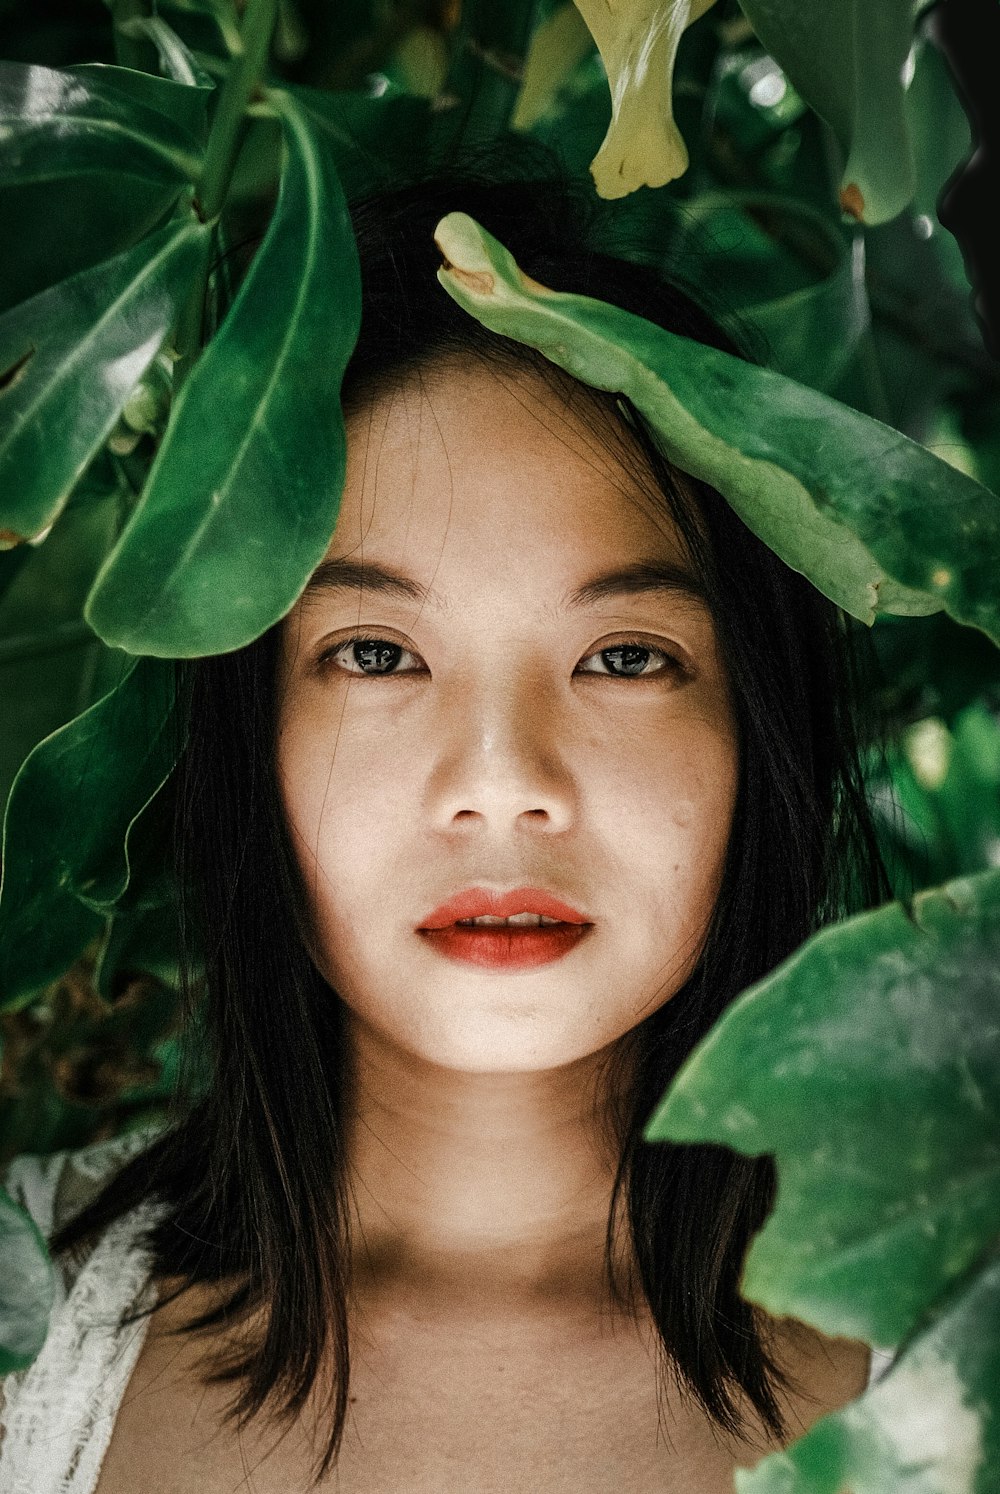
<point x="852" y="202"/>
<point x="479" y="282"/>
<point x="9" y="538"/>
<point x="10" y="375"/>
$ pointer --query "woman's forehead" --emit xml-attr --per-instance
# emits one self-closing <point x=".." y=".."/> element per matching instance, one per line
<point x="497" y="450"/>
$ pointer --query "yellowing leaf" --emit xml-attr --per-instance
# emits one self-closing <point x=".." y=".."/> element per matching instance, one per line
<point x="558" y="45"/>
<point x="638" y="41"/>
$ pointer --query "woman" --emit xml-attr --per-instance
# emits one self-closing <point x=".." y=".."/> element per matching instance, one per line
<point x="407" y="1236"/>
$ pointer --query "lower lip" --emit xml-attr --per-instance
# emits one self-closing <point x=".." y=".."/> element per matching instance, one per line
<point x="507" y="948"/>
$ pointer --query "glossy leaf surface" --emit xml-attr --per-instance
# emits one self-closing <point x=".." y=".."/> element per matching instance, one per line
<point x="846" y="58"/>
<point x="82" y="346"/>
<point x="638" y="41"/>
<point x="93" y="118"/>
<point x="930" y="1426"/>
<point x="69" y="823"/>
<point x="868" y="1064"/>
<point x="27" y="1287"/>
<point x="93" y="159"/>
<point x="874" y="520"/>
<point x="244" y="491"/>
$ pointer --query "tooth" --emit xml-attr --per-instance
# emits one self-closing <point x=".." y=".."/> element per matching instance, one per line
<point x="516" y="920"/>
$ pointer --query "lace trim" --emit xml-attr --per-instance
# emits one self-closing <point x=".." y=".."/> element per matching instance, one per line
<point x="59" y="1413"/>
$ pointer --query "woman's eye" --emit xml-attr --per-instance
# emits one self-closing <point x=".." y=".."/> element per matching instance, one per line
<point x="368" y="656"/>
<point x="631" y="661"/>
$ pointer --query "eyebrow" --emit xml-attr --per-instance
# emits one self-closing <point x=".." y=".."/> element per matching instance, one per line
<point x="642" y="577"/>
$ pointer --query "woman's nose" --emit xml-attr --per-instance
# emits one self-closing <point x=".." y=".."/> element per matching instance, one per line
<point x="503" y="758"/>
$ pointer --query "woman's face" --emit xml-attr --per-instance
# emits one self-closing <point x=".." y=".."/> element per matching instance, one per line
<point x="503" y="729"/>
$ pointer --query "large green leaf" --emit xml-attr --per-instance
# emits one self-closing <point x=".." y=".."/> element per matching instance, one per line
<point x="874" y="520"/>
<point x="27" y="1287"/>
<point x="82" y="346"/>
<point x="638" y="41"/>
<point x="846" y="58"/>
<point x="93" y="159"/>
<point x="95" y="119"/>
<point x="51" y="663"/>
<point x="931" y="1425"/>
<point x="244" y="491"/>
<point x="790" y="273"/>
<point x="374" y="136"/>
<point x="868" y="1064"/>
<point x="69" y="824"/>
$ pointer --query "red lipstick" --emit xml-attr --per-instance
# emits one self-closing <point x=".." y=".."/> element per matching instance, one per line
<point x="509" y="947"/>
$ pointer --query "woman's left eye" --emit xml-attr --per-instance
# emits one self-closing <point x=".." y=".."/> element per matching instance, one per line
<point x="374" y="657"/>
<point x="631" y="661"/>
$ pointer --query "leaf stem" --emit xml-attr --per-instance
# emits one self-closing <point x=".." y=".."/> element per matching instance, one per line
<point x="224" y="141"/>
<point x="227" y="130"/>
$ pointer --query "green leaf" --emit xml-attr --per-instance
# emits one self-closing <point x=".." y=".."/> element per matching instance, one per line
<point x="94" y="158"/>
<point x="931" y="1425"/>
<point x="27" y="1287"/>
<point x="94" y="119"/>
<point x="874" y="520"/>
<point x="82" y="347"/>
<point x="173" y="114"/>
<point x="942" y="140"/>
<point x="638" y="41"/>
<point x="69" y="825"/>
<point x="176" y="60"/>
<point x="791" y="274"/>
<point x="846" y="59"/>
<point x="488" y="45"/>
<point x="558" y="45"/>
<point x="868" y="1064"/>
<point x="374" y="136"/>
<point x="244" y="491"/>
<point x="50" y="661"/>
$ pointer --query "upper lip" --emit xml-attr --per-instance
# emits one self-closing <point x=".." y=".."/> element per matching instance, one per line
<point x="475" y="901"/>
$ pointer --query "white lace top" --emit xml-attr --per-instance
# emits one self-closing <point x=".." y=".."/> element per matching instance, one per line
<point x="57" y="1415"/>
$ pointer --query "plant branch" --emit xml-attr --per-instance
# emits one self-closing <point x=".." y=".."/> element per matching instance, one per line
<point x="224" y="142"/>
<point x="227" y="130"/>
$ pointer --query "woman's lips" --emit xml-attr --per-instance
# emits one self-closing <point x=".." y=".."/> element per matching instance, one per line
<point x="474" y="902"/>
<point x="507" y="947"/>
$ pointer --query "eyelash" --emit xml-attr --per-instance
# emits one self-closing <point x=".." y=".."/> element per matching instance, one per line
<point x="671" y="664"/>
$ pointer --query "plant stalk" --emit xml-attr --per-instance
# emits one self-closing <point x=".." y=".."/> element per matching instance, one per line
<point x="227" y="130"/>
<point x="224" y="142"/>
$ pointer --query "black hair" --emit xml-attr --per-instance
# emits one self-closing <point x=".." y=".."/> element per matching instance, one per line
<point x="250" y="1171"/>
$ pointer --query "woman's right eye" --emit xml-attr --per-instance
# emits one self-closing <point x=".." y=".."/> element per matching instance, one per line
<point x="368" y="656"/>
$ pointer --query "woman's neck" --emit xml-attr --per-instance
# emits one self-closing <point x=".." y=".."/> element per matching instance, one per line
<point x="484" y="1184"/>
